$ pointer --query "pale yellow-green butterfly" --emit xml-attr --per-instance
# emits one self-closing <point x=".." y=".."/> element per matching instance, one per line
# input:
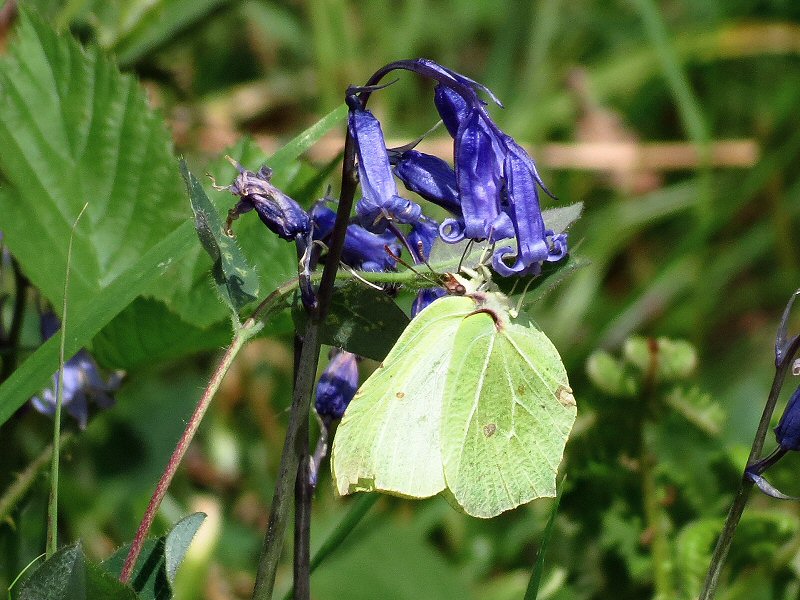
<point x="472" y="402"/>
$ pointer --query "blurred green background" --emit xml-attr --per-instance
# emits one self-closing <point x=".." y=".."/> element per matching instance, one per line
<point x="706" y="251"/>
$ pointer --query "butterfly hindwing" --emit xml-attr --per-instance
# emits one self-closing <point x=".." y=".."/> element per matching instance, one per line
<point x="507" y="412"/>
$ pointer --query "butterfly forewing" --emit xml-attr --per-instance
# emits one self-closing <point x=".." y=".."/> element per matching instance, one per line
<point x="507" y="412"/>
<point x="389" y="439"/>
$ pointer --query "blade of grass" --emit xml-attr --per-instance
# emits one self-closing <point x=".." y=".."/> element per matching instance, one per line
<point x="52" y="505"/>
<point x="538" y="568"/>
<point x="25" y="479"/>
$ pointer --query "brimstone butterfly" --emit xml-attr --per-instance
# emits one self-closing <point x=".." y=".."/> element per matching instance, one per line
<point x="471" y="402"/>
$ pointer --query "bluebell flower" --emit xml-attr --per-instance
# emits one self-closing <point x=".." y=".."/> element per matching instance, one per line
<point x="362" y="249"/>
<point x="82" y="382"/>
<point x="497" y="181"/>
<point x="380" y="202"/>
<point x="429" y="176"/>
<point x="280" y="213"/>
<point x="787" y="434"/>
<point x="337" y="385"/>
<point x="421" y="238"/>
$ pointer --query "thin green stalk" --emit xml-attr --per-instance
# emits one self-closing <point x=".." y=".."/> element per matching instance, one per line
<point x="248" y="329"/>
<point x="657" y="523"/>
<point x="745" y="486"/>
<point x="17" y="490"/>
<point x="52" y="505"/>
<point x="538" y="569"/>
<point x="655" y="518"/>
<point x="21" y="573"/>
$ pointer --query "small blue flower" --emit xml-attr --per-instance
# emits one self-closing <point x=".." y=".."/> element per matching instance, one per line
<point x="429" y="176"/>
<point x="82" y="382"/>
<point x="787" y="434"/>
<point x="380" y="202"/>
<point x="337" y="385"/>
<point x="421" y="238"/>
<point x="280" y="213"/>
<point x="362" y="249"/>
<point x="788" y="430"/>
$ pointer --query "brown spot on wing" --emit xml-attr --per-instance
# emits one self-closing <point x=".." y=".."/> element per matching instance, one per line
<point x="564" y="395"/>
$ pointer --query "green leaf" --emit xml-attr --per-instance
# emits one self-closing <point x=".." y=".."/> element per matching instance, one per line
<point x="131" y="29"/>
<point x="146" y="332"/>
<point x="237" y="281"/>
<point x="36" y="371"/>
<point x="361" y="320"/>
<point x="67" y="575"/>
<point x="675" y="359"/>
<point x="177" y="543"/>
<point x="154" y="574"/>
<point x="165" y="264"/>
<point x="185" y="286"/>
<point x="407" y="567"/>
<point x="610" y="376"/>
<point x="75" y="130"/>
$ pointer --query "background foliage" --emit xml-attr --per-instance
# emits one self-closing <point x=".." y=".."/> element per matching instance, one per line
<point x="708" y="255"/>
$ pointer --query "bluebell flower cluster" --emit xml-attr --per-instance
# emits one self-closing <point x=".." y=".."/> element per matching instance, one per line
<point x="491" y="191"/>
<point x="83" y="382"/>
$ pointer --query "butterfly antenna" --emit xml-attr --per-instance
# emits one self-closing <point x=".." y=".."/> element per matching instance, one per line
<point x="464" y="255"/>
<point x="399" y="259"/>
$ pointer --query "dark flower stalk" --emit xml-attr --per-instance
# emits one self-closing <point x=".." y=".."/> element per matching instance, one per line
<point x="785" y="351"/>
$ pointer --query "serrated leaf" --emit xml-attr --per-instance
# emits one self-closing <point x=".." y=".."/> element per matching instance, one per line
<point x="361" y="320"/>
<point x="67" y="575"/>
<point x="698" y="408"/>
<point x="236" y="280"/>
<point x="75" y="130"/>
<point x="154" y="573"/>
<point x="186" y="284"/>
<point x="170" y="271"/>
<point x="35" y="372"/>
